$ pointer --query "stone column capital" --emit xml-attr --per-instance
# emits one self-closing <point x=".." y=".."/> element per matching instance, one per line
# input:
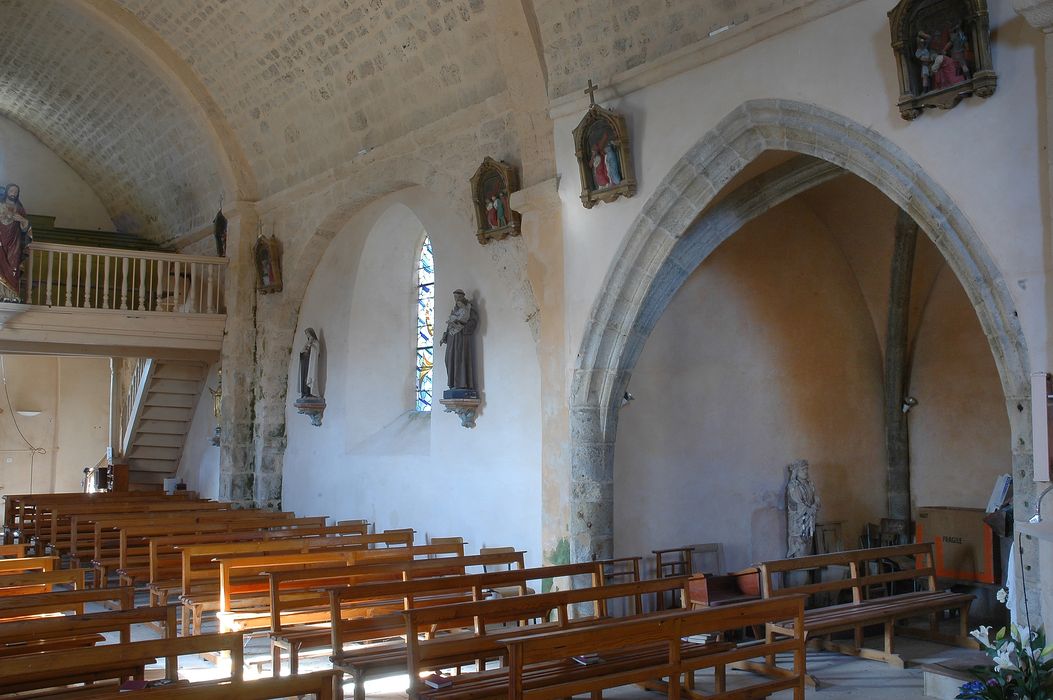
<point x="1038" y="13"/>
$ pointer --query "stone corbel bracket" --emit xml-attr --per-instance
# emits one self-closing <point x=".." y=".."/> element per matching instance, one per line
<point x="466" y="409"/>
<point x="311" y="406"/>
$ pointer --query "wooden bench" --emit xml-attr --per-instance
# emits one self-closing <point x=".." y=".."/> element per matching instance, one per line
<point x="57" y="534"/>
<point x="712" y="590"/>
<point x="200" y="581"/>
<point x="12" y="550"/>
<point x="56" y="670"/>
<point x="318" y="684"/>
<point x="29" y="582"/>
<point x="642" y="649"/>
<point x="163" y="564"/>
<point x="866" y="571"/>
<point x="62" y="602"/>
<point x="132" y="552"/>
<point x="301" y="617"/>
<point x="64" y="632"/>
<point x="498" y="619"/>
<point x="244" y="600"/>
<point x="371" y="615"/>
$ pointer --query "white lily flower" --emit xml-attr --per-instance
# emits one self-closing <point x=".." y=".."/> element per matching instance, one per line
<point x="1002" y="595"/>
<point x="983" y="635"/>
<point x="1003" y="662"/>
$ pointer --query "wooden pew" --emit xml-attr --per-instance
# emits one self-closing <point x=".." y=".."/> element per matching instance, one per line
<point x="21" y="510"/>
<point x="642" y="649"/>
<point x="133" y="543"/>
<point x="58" y="536"/>
<point x="64" y="632"/>
<point x="318" y="684"/>
<point x="200" y="583"/>
<point x="301" y="609"/>
<point x="865" y="572"/>
<point x="62" y="602"/>
<point x="244" y="600"/>
<point x="29" y="582"/>
<point x="503" y="618"/>
<point x="371" y="614"/>
<point x="12" y="550"/>
<point x="164" y="572"/>
<point x="56" y="670"/>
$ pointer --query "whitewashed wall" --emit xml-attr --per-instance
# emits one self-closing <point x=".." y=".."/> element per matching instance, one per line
<point x="373" y="456"/>
<point x="199" y="463"/>
<point x="49" y="186"/>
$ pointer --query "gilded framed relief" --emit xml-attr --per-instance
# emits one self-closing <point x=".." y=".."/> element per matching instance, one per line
<point x="604" y="153"/>
<point x="491" y="185"/>
<point x="943" y="53"/>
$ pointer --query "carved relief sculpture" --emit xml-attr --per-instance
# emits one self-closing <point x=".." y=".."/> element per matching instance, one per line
<point x="604" y="153"/>
<point x="15" y="235"/>
<point x="492" y="184"/>
<point x="802" y="506"/>
<point x="266" y="253"/>
<point x="943" y="52"/>
<point x="310" y="401"/>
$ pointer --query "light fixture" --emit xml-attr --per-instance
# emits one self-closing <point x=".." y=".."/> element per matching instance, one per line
<point x="1037" y="517"/>
<point x="28" y="414"/>
<point x="909" y="403"/>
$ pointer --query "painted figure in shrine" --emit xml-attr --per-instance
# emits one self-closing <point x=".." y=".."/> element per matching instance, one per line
<point x="15" y="235"/>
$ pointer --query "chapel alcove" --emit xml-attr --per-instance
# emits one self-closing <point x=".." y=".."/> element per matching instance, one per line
<point x="773" y="350"/>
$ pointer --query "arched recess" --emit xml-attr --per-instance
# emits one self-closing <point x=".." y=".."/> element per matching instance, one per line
<point x="669" y="239"/>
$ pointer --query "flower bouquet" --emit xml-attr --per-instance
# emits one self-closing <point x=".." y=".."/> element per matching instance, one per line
<point x="1023" y="665"/>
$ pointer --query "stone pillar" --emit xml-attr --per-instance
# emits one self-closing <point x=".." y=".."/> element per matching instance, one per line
<point x="236" y="456"/>
<point x="274" y="344"/>
<point x="1037" y="557"/>
<point x="542" y="228"/>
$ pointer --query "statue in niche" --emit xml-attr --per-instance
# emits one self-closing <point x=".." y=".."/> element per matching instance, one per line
<point x="309" y="365"/>
<point x="802" y="506"/>
<point x="15" y="235"/>
<point x="460" y="328"/>
<point x="310" y="403"/>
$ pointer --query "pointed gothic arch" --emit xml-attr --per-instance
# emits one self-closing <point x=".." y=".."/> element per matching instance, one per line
<point x="669" y="239"/>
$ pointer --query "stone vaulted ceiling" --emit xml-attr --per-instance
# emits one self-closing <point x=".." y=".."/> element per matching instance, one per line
<point x="282" y="91"/>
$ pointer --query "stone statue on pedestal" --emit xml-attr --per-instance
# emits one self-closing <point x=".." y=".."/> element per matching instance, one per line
<point x="802" y="506"/>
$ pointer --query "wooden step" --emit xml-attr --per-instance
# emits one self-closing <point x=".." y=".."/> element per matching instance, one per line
<point x="158" y="440"/>
<point x="165" y="466"/>
<point x="154" y="398"/>
<point x="167" y="427"/>
<point x="175" y="386"/>
<point x="142" y="478"/>
<point x="166" y="413"/>
<point x="168" y="454"/>
<point x="188" y="371"/>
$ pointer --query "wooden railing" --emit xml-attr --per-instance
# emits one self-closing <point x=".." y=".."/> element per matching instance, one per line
<point x="101" y="278"/>
<point x="133" y="379"/>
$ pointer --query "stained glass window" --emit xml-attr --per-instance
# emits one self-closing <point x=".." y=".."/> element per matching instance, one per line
<point x="425" y="325"/>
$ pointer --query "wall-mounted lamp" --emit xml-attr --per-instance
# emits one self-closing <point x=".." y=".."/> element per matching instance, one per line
<point x="1037" y="517"/>
<point x="626" y="398"/>
<point x="909" y="403"/>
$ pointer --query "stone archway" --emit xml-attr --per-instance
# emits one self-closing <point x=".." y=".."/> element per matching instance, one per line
<point x="669" y="239"/>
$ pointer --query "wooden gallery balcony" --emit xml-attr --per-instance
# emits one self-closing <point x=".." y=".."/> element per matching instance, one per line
<point x="104" y="301"/>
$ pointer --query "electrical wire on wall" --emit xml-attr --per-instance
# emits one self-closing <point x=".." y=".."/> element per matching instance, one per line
<point x="31" y="448"/>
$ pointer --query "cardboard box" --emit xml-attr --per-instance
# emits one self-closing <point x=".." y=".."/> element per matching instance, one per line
<point x="963" y="544"/>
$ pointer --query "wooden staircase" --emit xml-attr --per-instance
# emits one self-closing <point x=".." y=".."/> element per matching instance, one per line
<point x="153" y="444"/>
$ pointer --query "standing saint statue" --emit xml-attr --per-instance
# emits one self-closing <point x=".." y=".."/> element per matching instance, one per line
<point x="460" y="327"/>
<point x="15" y="235"/>
<point x="309" y="365"/>
<point x="802" y="506"/>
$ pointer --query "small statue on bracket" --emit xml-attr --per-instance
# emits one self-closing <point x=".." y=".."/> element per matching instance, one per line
<point x="310" y="402"/>
<point x="462" y="397"/>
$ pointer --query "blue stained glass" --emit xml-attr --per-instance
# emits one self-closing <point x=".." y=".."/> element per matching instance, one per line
<point x="425" y="326"/>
